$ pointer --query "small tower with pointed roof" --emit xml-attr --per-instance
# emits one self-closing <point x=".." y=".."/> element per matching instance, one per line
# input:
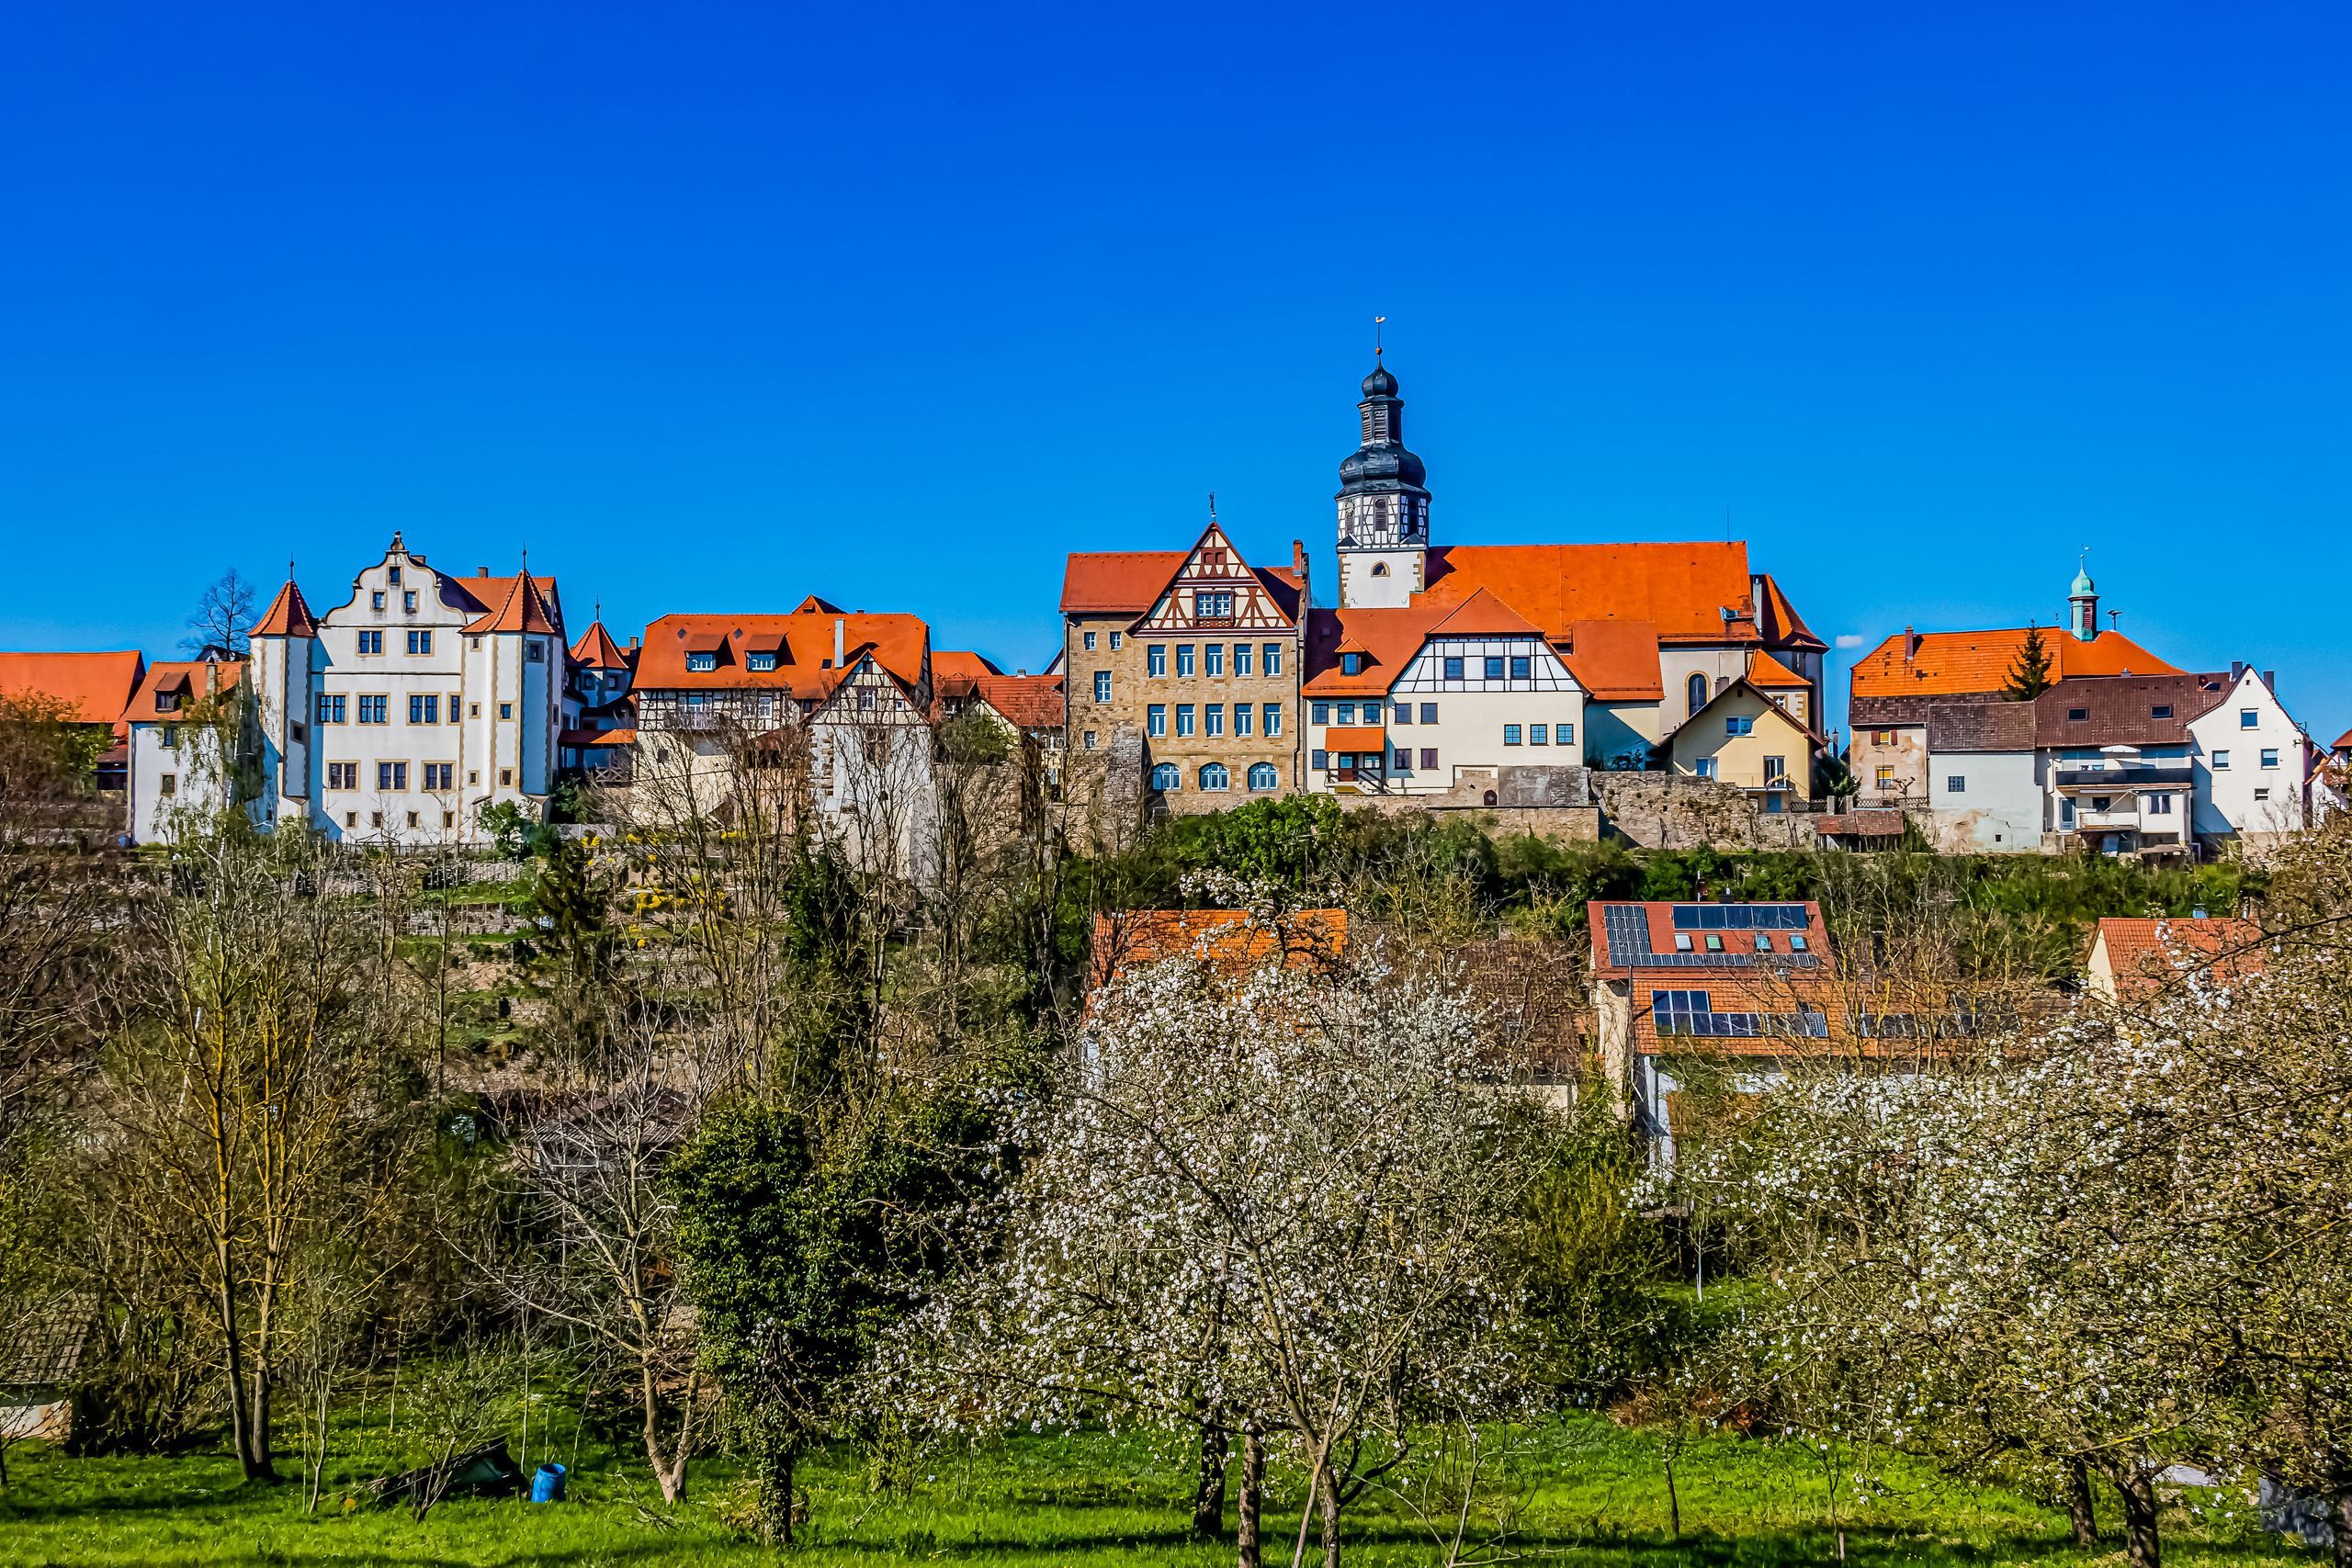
<point x="2082" y="604"/>
<point x="1383" y="505"/>
<point x="285" y="662"/>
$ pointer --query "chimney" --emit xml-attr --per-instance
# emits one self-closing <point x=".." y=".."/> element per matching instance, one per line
<point x="479" y="571"/>
<point x="632" y="644"/>
<point x="1910" y="645"/>
<point x="2270" y="679"/>
<point x="2237" y="671"/>
<point x="841" y="632"/>
<point x="1298" y="559"/>
<point x="1020" y="674"/>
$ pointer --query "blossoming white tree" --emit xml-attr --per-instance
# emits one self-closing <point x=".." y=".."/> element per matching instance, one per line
<point x="2112" y="1243"/>
<point x="1269" y="1205"/>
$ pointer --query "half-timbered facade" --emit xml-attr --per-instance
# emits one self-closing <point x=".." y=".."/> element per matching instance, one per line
<point x="1406" y="701"/>
<point x="1196" y="652"/>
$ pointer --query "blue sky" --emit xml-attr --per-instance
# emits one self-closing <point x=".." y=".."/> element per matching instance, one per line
<point x="712" y="307"/>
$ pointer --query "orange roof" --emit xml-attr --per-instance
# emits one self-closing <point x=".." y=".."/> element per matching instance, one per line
<point x="1027" y="702"/>
<point x="1777" y="622"/>
<point x="1128" y="583"/>
<point x="802" y="643"/>
<point x="1228" y="941"/>
<point x="1615" y="662"/>
<point x="191" y="680"/>
<point x="1771" y="675"/>
<point x="597" y="650"/>
<point x="1683" y="589"/>
<point x="288" y="614"/>
<point x="1623" y="944"/>
<point x="1483" y="615"/>
<point x="96" y="686"/>
<point x="945" y="663"/>
<point x="1952" y="663"/>
<point x="2146" y="953"/>
<point x="1387" y="638"/>
<point x="1356" y="738"/>
<point x="525" y="609"/>
<point x="492" y="590"/>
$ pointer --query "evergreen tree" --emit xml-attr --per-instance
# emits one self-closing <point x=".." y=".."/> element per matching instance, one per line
<point x="2031" y="675"/>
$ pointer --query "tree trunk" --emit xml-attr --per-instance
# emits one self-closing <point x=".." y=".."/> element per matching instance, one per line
<point x="1208" y="1490"/>
<point x="257" y="1415"/>
<point x="775" y="1505"/>
<point x="240" y="1437"/>
<point x="1328" y="1500"/>
<point x="2079" y="1504"/>
<point x="1246" y="1507"/>
<point x="2139" y="1497"/>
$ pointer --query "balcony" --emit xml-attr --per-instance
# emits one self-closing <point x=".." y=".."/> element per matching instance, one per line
<point x="2123" y="781"/>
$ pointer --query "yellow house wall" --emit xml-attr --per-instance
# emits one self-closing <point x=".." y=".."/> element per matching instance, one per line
<point x="1739" y="759"/>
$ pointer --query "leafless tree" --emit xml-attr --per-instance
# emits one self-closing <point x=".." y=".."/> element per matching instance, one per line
<point x="224" y="617"/>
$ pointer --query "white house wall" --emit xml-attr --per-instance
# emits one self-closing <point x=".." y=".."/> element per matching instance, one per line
<point x="2000" y="807"/>
<point x="2235" y="792"/>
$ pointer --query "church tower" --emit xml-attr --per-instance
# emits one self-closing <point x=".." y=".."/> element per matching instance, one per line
<point x="1383" y="508"/>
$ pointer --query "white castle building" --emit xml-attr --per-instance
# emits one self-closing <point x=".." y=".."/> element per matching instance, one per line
<point x="399" y="716"/>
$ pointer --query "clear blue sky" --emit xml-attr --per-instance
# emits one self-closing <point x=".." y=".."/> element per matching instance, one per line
<point x="712" y="306"/>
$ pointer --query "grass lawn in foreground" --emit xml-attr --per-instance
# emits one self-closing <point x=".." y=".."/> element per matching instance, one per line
<point x="1586" y="1491"/>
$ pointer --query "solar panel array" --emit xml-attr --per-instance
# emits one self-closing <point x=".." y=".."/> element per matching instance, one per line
<point x="1626" y="929"/>
<point x="1739" y="917"/>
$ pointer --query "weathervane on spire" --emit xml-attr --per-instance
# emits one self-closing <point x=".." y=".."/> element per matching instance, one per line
<point x="1376" y="323"/>
<point x="1212" y="506"/>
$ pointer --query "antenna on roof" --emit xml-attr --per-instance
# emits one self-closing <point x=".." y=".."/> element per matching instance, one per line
<point x="2113" y="616"/>
<point x="1377" y="322"/>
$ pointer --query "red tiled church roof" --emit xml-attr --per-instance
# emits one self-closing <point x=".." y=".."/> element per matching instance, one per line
<point x="1955" y="663"/>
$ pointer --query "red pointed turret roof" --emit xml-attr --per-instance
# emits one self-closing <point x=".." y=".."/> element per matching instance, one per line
<point x="289" y="616"/>
<point x="597" y="650"/>
<point x="526" y="610"/>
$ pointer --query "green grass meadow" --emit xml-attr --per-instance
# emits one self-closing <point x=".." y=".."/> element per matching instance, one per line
<point x="1578" y="1490"/>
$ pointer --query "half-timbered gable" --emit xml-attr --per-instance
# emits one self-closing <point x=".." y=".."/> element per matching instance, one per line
<point x="1215" y="590"/>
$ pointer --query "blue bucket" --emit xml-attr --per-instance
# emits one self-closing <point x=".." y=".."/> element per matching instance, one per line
<point x="546" y="1486"/>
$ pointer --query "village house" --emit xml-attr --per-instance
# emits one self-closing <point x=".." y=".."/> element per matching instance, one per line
<point x="88" y="689"/>
<point x="2135" y="960"/>
<point x="1701" y="980"/>
<point x="1894" y="687"/>
<point x="186" y="734"/>
<point x="1195" y="653"/>
<point x="836" y="706"/>
<point x="1441" y="662"/>
<point x="2119" y="764"/>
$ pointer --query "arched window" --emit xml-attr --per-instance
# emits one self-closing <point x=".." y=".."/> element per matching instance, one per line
<point x="1262" y="775"/>
<point x="1698" y="693"/>
<point x="1165" y="777"/>
<point x="1215" y="777"/>
<point x="1380" y="568"/>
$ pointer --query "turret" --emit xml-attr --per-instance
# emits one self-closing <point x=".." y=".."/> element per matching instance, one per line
<point x="2082" y="605"/>
<point x="1383" y="505"/>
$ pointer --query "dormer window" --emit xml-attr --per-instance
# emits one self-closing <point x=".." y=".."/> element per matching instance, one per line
<point x="167" y="702"/>
<point x="699" y="663"/>
<point x="2079" y="716"/>
<point x="759" y="661"/>
<point x="2161" y="710"/>
<point x="1351" y="665"/>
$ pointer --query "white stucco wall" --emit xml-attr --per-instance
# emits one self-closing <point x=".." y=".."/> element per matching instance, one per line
<point x="1999" y="810"/>
<point x="2236" y="793"/>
